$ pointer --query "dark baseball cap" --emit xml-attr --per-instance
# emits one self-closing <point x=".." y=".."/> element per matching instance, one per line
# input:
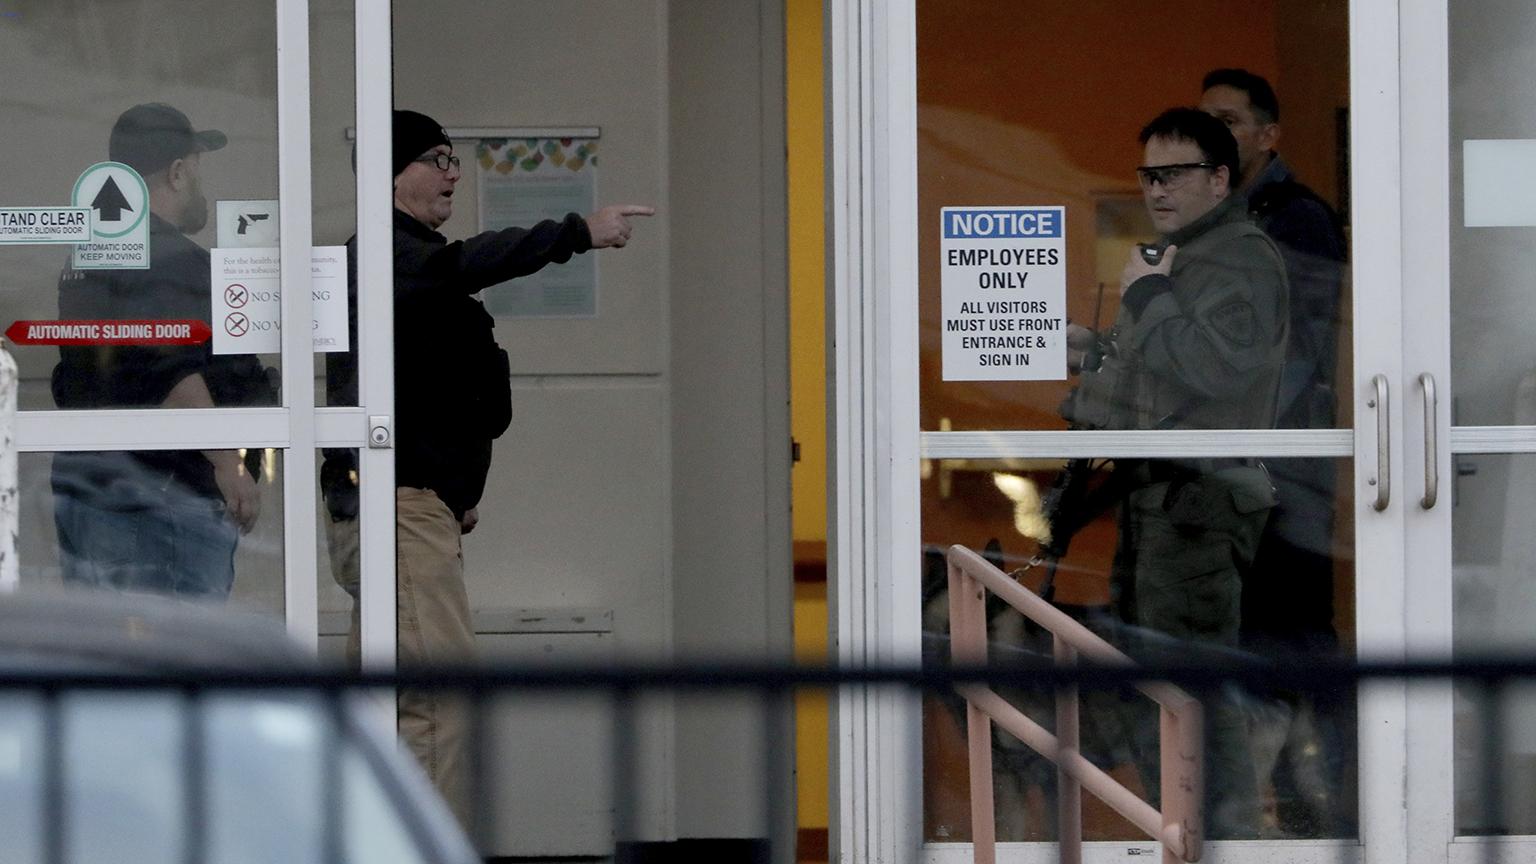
<point x="151" y="136"/>
<point x="415" y="133"/>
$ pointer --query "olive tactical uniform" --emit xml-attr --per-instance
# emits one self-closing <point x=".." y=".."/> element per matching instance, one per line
<point x="1202" y="349"/>
<point x="1199" y="349"/>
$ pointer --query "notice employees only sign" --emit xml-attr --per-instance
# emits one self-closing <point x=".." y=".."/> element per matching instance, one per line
<point x="1004" y="289"/>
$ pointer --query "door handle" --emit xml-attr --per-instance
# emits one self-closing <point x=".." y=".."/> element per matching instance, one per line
<point x="1431" y="447"/>
<point x="1383" y="479"/>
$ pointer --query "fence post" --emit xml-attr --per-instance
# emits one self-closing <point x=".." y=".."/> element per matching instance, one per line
<point x="10" y="504"/>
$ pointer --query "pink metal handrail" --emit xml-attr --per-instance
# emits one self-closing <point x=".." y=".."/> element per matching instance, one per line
<point x="1178" y="826"/>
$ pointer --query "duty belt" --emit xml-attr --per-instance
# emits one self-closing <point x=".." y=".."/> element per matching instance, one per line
<point x="1169" y="470"/>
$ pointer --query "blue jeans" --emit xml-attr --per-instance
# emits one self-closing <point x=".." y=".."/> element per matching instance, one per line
<point x="184" y="546"/>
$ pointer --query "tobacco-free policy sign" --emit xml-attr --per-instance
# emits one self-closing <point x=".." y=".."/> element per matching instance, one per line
<point x="1004" y="293"/>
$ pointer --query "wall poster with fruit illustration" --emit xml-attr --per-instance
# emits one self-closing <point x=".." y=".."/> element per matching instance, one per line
<point x="524" y="181"/>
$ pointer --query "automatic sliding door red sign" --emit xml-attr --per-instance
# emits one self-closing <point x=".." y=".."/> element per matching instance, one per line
<point x="155" y="332"/>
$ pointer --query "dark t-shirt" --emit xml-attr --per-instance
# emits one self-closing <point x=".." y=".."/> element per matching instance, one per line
<point x="175" y="287"/>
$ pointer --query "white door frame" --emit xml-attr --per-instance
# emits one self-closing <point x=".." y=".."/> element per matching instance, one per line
<point x="297" y="427"/>
<point x="1424" y="35"/>
<point x="375" y="329"/>
<point x="874" y="551"/>
<point x="872" y="191"/>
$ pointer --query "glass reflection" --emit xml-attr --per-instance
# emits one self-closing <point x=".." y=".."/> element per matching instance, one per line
<point x="1157" y="586"/>
<point x="1491" y="108"/>
<point x="340" y="567"/>
<point x="191" y="126"/>
<point x="333" y="106"/>
<point x="146" y="531"/>
<point x="1493" y="559"/>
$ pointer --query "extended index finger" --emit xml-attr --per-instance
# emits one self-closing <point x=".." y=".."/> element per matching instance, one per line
<point x="636" y="210"/>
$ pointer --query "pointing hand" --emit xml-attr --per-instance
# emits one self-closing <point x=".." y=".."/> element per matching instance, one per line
<point x="610" y="226"/>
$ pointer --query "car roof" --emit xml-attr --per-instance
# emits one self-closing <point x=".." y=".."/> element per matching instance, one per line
<point x="110" y="631"/>
<point x="96" y="633"/>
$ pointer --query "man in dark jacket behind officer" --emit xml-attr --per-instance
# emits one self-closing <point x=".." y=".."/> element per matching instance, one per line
<point x="452" y="399"/>
<point x="1288" y="594"/>
<point x="1198" y="344"/>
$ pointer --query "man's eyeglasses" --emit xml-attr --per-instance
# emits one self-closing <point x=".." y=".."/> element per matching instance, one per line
<point x="1170" y="176"/>
<point x="443" y="161"/>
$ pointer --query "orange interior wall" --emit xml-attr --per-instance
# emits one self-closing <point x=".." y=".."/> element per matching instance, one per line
<point x="1313" y="82"/>
<point x="1090" y="72"/>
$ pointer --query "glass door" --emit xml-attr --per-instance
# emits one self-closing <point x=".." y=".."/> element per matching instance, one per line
<point x="166" y="307"/>
<point x="1468" y="218"/>
<point x="1049" y="347"/>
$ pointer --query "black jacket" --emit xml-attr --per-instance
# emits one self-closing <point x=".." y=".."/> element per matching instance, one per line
<point x="1311" y="240"/>
<point x="175" y="286"/>
<point x="452" y="381"/>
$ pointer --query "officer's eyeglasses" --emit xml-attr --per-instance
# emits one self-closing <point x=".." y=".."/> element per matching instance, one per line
<point x="1170" y="176"/>
<point x="443" y="161"/>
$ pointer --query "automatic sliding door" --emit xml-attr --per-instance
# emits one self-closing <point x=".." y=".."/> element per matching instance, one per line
<point x="151" y="355"/>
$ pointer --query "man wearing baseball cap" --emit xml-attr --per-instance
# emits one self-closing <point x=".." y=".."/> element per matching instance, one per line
<point x="452" y="399"/>
<point x="162" y="521"/>
<point x="150" y="137"/>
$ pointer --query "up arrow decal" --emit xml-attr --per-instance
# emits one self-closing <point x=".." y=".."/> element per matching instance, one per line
<point x="120" y="233"/>
<point x="110" y="202"/>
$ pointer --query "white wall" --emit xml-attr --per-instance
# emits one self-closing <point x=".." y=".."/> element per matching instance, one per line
<point x="646" y="470"/>
<point x="730" y="433"/>
<point x="576" y="511"/>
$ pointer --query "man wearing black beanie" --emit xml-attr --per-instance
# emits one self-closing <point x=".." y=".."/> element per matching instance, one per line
<point x="452" y="399"/>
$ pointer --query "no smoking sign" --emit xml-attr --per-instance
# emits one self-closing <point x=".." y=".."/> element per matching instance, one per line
<point x="247" y="293"/>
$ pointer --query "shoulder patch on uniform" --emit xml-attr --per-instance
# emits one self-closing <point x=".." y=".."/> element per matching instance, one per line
<point x="1236" y="322"/>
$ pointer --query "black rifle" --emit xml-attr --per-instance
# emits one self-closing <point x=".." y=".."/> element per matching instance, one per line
<point x="1073" y="501"/>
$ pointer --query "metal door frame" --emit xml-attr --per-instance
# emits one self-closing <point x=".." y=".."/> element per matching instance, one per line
<point x="297" y="427"/>
<point x="874" y="589"/>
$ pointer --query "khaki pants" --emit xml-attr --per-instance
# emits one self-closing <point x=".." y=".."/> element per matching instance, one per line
<point x="433" y="628"/>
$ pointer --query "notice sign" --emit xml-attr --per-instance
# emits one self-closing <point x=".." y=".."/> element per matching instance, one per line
<point x="247" y="300"/>
<point x="1004" y="293"/>
<point x="19" y="225"/>
<point x="119" y="204"/>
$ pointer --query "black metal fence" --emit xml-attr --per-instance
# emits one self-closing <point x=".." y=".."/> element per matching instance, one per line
<point x="35" y="708"/>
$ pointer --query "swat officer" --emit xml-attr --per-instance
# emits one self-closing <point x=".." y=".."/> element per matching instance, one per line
<point x="1199" y="343"/>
